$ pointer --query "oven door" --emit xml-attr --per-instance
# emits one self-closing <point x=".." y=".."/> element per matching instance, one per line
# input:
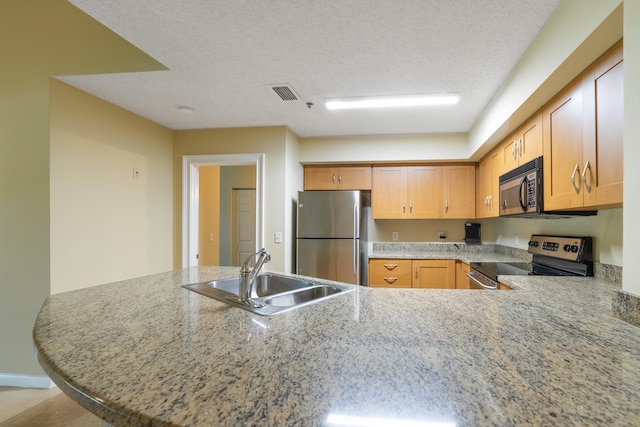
<point x="477" y="280"/>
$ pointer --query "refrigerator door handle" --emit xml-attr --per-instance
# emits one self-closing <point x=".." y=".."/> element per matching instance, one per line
<point x="355" y="238"/>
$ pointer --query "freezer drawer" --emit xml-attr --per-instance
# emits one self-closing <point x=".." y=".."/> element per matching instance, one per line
<point x="332" y="259"/>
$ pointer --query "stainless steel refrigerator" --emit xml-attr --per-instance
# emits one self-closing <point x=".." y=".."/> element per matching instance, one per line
<point x="331" y="240"/>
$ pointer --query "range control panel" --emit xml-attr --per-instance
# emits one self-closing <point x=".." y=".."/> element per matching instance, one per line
<point x="575" y="249"/>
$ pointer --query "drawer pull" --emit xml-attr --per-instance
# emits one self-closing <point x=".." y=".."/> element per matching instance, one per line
<point x="390" y="266"/>
<point x="390" y="279"/>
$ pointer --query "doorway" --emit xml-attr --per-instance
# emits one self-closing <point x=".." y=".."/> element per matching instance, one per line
<point x="190" y="200"/>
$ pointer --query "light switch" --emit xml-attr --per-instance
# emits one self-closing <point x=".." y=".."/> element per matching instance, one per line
<point x="394" y="236"/>
<point x="277" y="237"/>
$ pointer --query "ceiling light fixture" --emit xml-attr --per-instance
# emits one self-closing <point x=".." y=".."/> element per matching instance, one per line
<point x="186" y="109"/>
<point x="391" y="101"/>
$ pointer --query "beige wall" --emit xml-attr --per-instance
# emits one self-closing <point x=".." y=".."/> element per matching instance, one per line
<point x="106" y="224"/>
<point x="209" y="215"/>
<point x="40" y="39"/>
<point x="273" y="142"/>
<point x="385" y="148"/>
<point x="631" y="235"/>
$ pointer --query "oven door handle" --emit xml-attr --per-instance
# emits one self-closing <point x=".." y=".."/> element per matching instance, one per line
<point x="493" y="288"/>
<point x="523" y="184"/>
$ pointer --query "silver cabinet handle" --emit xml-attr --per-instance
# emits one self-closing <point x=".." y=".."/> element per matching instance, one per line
<point x="520" y="147"/>
<point x="587" y="166"/>
<point x="410" y="206"/>
<point x="416" y="270"/>
<point x="333" y="177"/>
<point x="404" y="206"/>
<point x="446" y="206"/>
<point x="390" y="279"/>
<point x="490" y="201"/>
<point x="390" y="266"/>
<point x="514" y="150"/>
<point x="573" y="178"/>
<point x="340" y="177"/>
<point x="486" y="203"/>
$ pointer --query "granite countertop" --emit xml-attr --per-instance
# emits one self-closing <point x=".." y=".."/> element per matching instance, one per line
<point x="449" y="250"/>
<point x="148" y="352"/>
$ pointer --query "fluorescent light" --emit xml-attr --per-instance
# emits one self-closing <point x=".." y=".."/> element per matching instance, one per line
<point x="391" y="101"/>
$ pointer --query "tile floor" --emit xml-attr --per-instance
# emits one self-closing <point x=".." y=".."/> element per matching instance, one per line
<point x="28" y="407"/>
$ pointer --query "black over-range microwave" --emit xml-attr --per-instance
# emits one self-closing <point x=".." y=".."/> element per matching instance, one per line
<point x="522" y="192"/>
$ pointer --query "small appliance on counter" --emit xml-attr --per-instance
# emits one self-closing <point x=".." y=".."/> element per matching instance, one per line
<point x="472" y="233"/>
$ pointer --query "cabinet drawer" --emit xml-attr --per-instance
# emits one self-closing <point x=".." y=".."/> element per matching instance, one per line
<point x="390" y="273"/>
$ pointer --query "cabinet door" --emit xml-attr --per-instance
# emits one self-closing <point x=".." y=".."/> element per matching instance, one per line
<point x="462" y="281"/>
<point x="488" y="186"/>
<point x="604" y="115"/>
<point x="562" y="137"/>
<point x="424" y="191"/>
<point x="390" y="273"/>
<point x="354" y="178"/>
<point x="459" y="192"/>
<point x="434" y="273"/>
<point x="530" y="139"/>
<point x="389" y="192"/>
<point x="509" y="152"/>
<point x="319" y="178"/>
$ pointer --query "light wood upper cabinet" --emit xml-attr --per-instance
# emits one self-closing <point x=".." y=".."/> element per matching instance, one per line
<point x="459" y="192"/>
<point x="422" y="192"/>
<point x="603" y="119"/>
<point x="582" y="135"/>
<point x="434" y="273"/>
<point x="389" y="192"/>
<point x="524" y="145"/>
<point x="337" y="177"/>
<point x="489" y="170"/>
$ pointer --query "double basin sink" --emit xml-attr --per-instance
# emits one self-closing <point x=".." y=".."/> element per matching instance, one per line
<point x="275" y="293"/>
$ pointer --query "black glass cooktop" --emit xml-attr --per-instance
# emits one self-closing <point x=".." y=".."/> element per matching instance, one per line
<point x="495" y="269"/>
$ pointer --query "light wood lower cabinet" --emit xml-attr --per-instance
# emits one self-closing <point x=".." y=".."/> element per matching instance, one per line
<point x="390" y="273"/>
<point x="462" y="281"/>
<point x="406" y="273"/>
<point x="434" y="274"/>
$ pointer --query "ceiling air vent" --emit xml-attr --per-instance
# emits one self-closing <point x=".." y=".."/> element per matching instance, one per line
<point x="285" y="92"/>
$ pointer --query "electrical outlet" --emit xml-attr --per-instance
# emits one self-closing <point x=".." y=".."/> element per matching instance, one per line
<point x="136" y="173"/>
<point x="277" y="237"/>
<point x="442" y="235"/>
<point x="394" y="236"/>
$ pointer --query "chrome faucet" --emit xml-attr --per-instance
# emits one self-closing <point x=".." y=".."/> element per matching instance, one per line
<point x="248" y="275"/>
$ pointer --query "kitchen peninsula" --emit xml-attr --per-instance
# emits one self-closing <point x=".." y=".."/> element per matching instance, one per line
<point x="148" y="352"/>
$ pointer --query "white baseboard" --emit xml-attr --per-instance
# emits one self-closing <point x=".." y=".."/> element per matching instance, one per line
<point x="26" y="381"/>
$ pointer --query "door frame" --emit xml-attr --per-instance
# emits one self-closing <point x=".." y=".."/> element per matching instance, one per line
<point x="190" y="199"/>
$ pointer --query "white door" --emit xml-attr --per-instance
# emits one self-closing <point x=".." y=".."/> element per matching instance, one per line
<point x="243" y="217"/>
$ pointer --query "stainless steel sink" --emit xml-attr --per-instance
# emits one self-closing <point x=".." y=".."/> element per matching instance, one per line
<point x="277" y="293"/>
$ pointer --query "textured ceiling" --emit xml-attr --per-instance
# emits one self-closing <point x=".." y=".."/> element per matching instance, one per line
<point x="222" y="55"/>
